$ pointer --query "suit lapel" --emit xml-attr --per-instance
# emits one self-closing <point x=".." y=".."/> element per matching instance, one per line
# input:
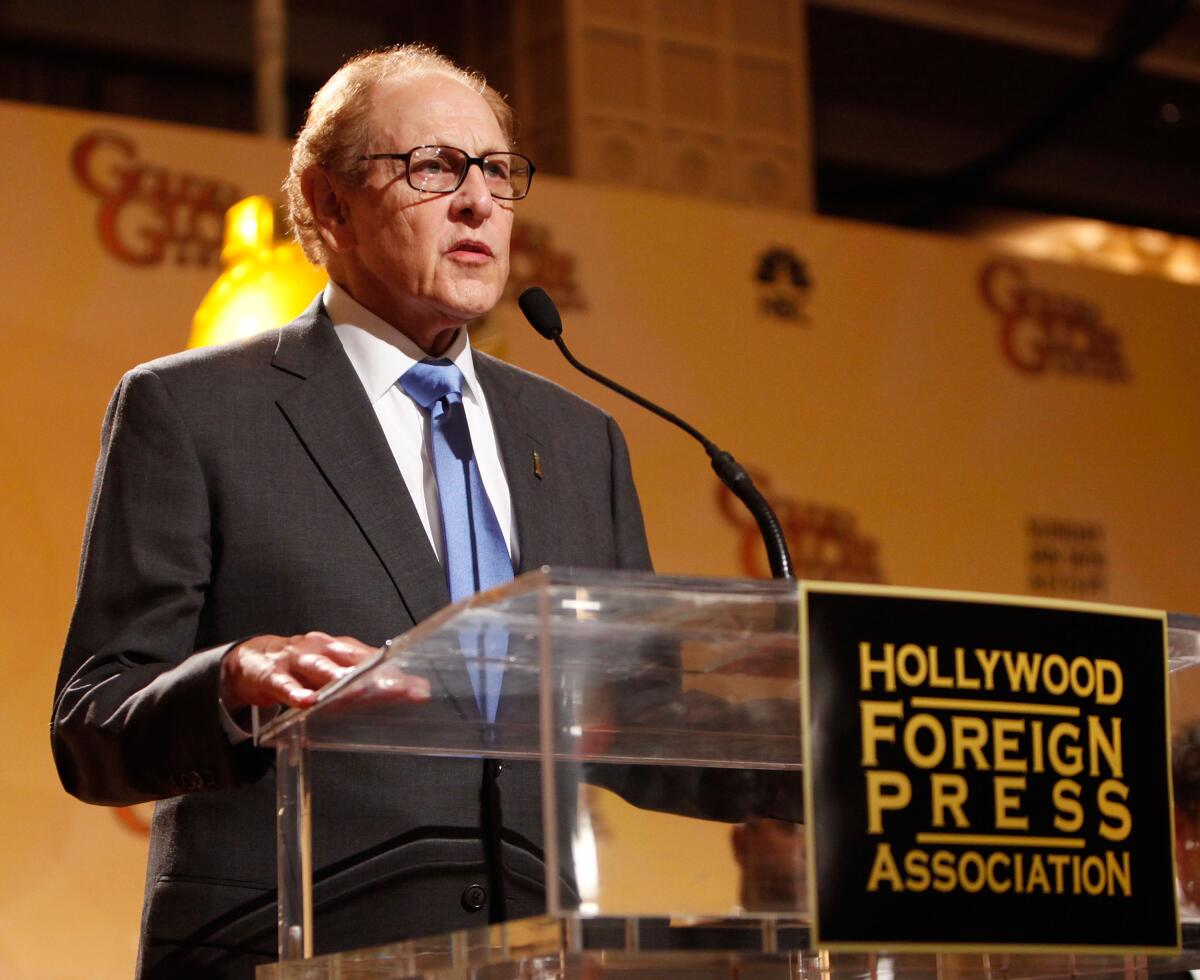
<point x="333" y="418"/>
<point x="529" y="483"/>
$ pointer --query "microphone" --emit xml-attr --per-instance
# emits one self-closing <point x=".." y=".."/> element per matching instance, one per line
<point x="542" y="314"/>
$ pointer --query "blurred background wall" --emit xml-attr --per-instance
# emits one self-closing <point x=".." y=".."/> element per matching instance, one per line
<point x="930" y="269"/>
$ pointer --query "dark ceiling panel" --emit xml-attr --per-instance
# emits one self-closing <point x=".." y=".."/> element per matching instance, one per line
<point x="915" y="125"/>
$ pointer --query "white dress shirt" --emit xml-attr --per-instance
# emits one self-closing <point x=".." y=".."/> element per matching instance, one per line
<point x="381" y="354"/>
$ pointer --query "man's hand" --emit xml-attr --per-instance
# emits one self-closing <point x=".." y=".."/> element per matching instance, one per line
<point x="269" y="670"/>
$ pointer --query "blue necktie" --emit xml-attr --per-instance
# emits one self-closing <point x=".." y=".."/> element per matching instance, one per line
<point x="476" y="557"/>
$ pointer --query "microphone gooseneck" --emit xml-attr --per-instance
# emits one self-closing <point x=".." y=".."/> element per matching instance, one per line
<point x="543" y="316"/>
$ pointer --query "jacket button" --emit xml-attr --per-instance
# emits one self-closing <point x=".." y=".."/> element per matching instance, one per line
<point x="474" y="897"/>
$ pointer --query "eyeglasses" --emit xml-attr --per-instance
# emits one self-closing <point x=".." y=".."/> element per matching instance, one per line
<point x="442" y="170"/>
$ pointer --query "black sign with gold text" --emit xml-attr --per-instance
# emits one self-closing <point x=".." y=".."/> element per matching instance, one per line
<point x="986" y="773"/>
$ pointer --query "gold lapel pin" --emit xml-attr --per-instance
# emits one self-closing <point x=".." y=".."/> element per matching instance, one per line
<point x="537" y="465"/>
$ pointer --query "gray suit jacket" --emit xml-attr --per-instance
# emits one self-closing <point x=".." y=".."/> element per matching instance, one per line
<point x="249" y="489"/>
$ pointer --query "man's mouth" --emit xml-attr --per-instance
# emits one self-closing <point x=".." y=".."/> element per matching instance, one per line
<point x="478" y="248"/>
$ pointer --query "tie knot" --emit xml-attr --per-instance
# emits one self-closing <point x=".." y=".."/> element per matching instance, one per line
<point x="428" y="382"/>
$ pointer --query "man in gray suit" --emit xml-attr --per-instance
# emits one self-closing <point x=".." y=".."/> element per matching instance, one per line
<point x="251" y="495"/>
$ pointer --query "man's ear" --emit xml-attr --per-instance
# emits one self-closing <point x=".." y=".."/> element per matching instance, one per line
<point x="329" y="209"/>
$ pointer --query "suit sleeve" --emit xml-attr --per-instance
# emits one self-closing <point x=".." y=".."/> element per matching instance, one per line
<point x="136" y="711"/>
<point x="629" y="530"/>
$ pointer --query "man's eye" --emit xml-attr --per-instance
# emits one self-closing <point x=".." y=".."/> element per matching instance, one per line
<point x="429" y="168"/>
<point x="495" y="170"/>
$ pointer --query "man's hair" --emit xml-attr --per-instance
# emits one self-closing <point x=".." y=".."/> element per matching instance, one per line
<point x="334" y="134"/>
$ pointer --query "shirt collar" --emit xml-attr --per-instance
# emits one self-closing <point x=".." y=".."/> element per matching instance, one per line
<point x="380" y="353"/>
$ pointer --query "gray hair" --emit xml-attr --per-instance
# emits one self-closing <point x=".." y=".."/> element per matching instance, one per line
<point x="334" y="134"/>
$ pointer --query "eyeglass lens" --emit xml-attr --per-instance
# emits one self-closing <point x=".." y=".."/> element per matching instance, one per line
<point x="441" y="168"/>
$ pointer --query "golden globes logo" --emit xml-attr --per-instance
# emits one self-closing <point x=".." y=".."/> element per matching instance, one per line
<point x="825" y="542"/>
<point x="534" y="261"/>
<point x="146" y="211"/>
<point x="1042" y="331"/>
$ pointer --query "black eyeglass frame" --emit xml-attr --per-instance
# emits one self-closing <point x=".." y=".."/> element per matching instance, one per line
<point x="471" y="161"/>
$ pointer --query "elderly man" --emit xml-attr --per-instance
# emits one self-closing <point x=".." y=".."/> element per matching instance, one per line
<point x="250" y="495"/>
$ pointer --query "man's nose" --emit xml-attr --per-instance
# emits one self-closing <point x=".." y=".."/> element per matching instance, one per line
<point x="473" y="193"/>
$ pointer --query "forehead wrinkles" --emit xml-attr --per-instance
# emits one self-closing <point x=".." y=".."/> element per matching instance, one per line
<point x="442" y="111"/>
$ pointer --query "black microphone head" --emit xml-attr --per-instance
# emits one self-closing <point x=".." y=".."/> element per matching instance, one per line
<point x="540" y="311"/>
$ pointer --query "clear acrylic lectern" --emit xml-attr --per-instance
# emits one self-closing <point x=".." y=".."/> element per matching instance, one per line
<point x="665" y="715"/>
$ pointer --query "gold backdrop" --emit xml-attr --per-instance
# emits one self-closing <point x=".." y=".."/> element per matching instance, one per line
<point x="922" y="410"/>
